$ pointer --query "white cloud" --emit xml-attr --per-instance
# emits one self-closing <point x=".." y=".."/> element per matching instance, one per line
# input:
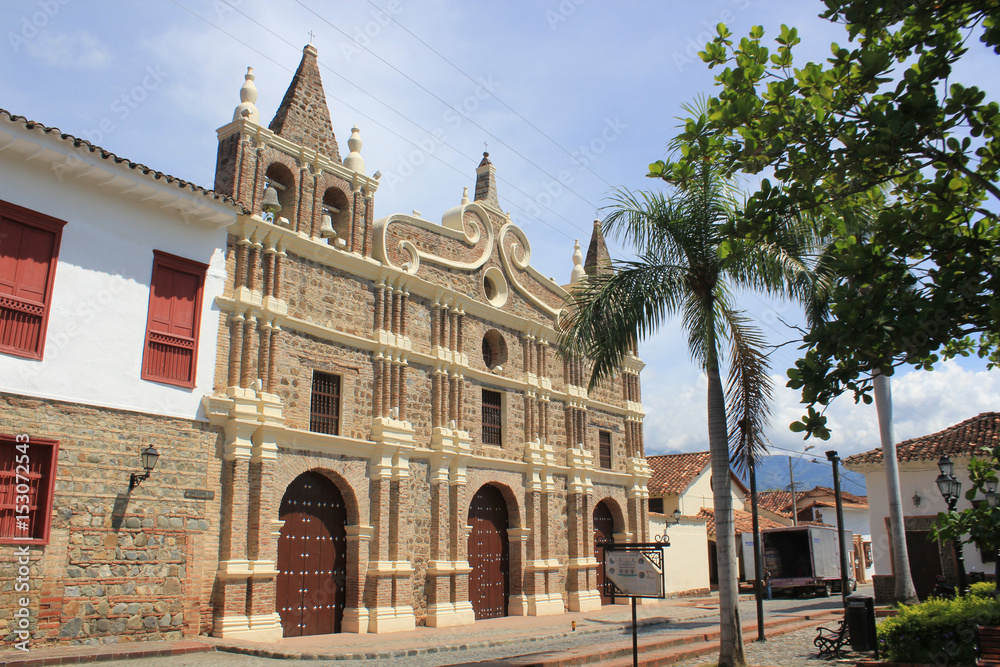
<point x="79" y="50"/>
<point x="924" y="402"/>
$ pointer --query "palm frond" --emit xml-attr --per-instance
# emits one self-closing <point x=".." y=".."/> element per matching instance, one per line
<point x="609" y="312"/>
<point x="749" y="389"/>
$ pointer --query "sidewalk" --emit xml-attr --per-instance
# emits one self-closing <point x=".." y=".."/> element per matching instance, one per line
<point x="691" y="618"/>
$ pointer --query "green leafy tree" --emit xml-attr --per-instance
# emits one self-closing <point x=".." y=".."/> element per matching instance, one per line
<point x="978" y="525"/>
<point x="682" y="271"/>
<point x="886" y="113"/>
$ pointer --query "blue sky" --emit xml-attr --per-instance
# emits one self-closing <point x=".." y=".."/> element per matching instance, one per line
<point x="572" y="97"/>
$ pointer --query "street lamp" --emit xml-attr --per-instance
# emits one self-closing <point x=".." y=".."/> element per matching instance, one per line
<point x="950" y="489"/>
<point x="149" y="457"/>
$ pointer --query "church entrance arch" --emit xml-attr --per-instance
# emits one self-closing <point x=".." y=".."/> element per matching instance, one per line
<point x="312" y="557"/>
<point x="604" y="531"/>
<point x="489" y="553"/>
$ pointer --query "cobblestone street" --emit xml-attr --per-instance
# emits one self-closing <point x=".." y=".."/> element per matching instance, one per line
<point x="781" y="650"/>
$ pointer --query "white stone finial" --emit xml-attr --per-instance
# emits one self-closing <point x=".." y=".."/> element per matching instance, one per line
<point x="578" y="270"/>
<point x="248" y="97"/>
<point x="354" y="161"/>
<point x="465" y="196"/>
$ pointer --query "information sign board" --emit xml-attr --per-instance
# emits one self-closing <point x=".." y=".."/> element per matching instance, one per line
<point x="633" y="573"/>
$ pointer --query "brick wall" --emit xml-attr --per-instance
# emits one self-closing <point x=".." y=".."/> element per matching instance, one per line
<point x="118" y="568"/>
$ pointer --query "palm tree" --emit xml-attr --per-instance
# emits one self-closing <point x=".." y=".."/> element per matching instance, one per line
<point x="688" y="266"/>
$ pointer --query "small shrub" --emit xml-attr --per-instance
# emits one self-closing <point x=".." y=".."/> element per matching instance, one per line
<point x="937" y="632"/>
<point x="982" y="589"/>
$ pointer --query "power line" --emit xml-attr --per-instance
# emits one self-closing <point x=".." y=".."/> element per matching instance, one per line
<point x="377" y="123"/>
<point x="492" y="94"/>
<point x="435" y="96"/>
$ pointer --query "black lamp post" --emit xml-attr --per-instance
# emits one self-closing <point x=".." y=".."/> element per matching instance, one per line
<point x="845" y="589"/>
<point x="950" y="489"/>
<point x="758" y="552"/>
<point x="149" y="456"/>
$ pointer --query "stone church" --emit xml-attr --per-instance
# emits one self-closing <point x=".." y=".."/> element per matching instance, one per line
<point x="403" y="444"/>
<point x="347" y="424"/>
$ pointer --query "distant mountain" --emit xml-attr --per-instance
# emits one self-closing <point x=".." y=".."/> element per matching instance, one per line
<point x="809" y="472"/>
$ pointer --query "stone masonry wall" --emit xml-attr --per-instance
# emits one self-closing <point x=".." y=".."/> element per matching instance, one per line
<point x="118" y="567"/>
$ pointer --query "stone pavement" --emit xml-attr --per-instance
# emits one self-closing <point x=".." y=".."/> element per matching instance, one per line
<point x="486" y="640"/>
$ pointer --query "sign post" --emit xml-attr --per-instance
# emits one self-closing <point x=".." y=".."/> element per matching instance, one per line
<point x="635" y="571"/>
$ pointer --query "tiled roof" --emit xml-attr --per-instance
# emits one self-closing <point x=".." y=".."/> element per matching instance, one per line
<point x="779" y="502"/>
<point x="965" y="438"/>
<point x="742" y="520"/>
<point x="111" y="157"/>
<point x="672" y="473"/>
<point x="825" y="491"/>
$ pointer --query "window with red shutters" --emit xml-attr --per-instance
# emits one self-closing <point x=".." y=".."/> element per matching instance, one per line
<point x="175" y="291"/>
<point x="29" y="250"/>
<point x="27" y="480"/>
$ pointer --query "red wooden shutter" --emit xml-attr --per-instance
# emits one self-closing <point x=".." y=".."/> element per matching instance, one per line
<point x="29" y="246"/>
<point x="27" y="481"/>
<point x="172" y="328"/>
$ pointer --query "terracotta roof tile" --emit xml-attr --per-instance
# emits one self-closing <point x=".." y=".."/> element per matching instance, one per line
<point x="108" y="155"/>
<point x="742" y="520"/>
<point x="672" y="473"/>
<point x="965" y="438"/>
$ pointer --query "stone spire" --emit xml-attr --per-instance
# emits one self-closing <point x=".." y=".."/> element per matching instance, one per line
<point x="303" y="116"/>
<point x="578" y="270"/>
<point x="354" y="161"/>
<point x="486" y="182"/>
<point x="598" y="258"/>
<point x="248" y="98"/>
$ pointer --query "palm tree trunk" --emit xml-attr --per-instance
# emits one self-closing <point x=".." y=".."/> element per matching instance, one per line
<point x="905" y="592"/>
<point x="730" y="631"/>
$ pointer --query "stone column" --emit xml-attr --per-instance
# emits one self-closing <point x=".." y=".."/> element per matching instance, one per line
<point x="246" y="358"/>
<point x="236" y="321"/>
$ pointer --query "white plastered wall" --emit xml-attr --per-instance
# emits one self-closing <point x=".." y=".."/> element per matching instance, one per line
<point x="97" y="322"/>
<point x="915" y="478"/>
<point x="686" y="559"/>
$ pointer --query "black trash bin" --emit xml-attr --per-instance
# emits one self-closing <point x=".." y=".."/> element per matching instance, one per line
<point x="861" y="622"/>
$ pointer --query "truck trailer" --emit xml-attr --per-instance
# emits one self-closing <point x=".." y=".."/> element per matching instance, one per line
<point x="801" y="559"/>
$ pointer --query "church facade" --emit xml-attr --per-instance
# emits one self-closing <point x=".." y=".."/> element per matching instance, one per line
<point x="396" y="416"/>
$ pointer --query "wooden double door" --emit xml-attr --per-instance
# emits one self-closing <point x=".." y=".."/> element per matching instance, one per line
<point x="489" y="554"/>
<point x="312" y="557"/>
<point x="604" y="531"/>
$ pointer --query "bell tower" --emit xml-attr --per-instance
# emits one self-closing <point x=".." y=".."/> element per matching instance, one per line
<point x="291" y="172"/>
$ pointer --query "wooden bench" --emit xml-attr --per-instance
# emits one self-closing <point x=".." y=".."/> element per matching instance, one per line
<point x="829" y="642"/>
<point x="987" y="646"/>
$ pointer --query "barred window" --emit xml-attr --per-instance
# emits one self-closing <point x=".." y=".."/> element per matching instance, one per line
<point x="324" y="410"/>
<point x="492" y="418"/>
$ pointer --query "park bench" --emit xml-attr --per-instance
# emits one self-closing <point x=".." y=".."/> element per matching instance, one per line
<point x="829" y="642"/>
<point x="987" y="646"/>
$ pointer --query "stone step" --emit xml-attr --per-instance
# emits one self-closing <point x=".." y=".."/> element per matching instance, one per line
<point x="677" y="646"/>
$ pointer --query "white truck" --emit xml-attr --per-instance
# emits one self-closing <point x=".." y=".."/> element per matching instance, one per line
<point x="801" y="559"/>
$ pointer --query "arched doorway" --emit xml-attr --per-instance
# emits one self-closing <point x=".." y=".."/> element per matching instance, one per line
<point x="604" y="531"/>
<point x="312" y="557"/>
<point x="489" y="554"/>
